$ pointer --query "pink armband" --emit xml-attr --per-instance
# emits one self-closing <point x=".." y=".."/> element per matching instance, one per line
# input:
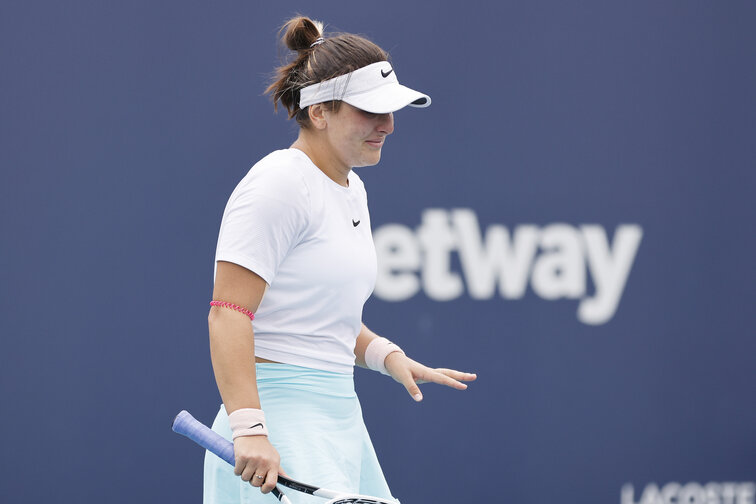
<point x="376" y="353"/>
<point x="226" y="304"/>
<point x="247" y="422"/>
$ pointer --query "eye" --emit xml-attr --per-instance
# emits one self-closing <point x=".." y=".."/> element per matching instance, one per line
<point x="369" y="115"/>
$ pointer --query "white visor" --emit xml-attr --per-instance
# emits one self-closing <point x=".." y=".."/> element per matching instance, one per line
<point x="373" y="88"/>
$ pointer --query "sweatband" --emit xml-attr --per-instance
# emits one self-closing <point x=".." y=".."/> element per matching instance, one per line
<point x="247" y="422"/>
<point x="376" y="353"/>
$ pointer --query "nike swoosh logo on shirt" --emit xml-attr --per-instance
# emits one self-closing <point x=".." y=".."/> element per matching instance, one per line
<point x="386" y="74"/>
<point x="355" y="223"/>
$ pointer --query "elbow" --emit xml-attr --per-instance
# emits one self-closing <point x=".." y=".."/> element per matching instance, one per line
<point x="212" y="320"/>
<point x="225" y="322"/>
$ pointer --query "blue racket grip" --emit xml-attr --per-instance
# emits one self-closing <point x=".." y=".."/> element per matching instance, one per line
<point x="186" y="425"/>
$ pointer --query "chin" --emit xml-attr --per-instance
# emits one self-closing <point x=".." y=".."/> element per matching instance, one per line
<point x="370" y="160"/>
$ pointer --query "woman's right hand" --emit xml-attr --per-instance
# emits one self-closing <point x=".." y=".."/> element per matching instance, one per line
<point x="257" y="461"/>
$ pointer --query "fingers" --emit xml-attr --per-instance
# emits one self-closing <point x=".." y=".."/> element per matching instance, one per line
<point x="239" y="470"/>
<point x="253" y="473"/>
<point x="457" y="375"/>
<point x="256" y="462"/>
<point x="410" y="373"/>
<point x="260" y="477"/>
<point x="443" y="376"/>
<point x="412" y="388"/>
<point x="453" y="378"/>
<point x="269" y="481"/>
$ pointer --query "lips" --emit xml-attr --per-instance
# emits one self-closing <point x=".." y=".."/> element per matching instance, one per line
<point x="375" y="143"/>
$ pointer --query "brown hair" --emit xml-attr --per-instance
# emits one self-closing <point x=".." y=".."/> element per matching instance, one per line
<point x="334" y="56"/>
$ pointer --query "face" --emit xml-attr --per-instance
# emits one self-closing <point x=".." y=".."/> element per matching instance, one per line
<point x="355" y="137"/>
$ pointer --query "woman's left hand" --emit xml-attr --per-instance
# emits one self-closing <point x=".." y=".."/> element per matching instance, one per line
<point x="410" y="373"/>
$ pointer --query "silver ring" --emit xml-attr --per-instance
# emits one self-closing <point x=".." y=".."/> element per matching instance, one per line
<point x="258" y="476"/>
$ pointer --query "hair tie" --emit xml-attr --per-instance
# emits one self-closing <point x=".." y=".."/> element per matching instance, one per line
<point x="240" y="309"/>
<point x="318" y="41"/>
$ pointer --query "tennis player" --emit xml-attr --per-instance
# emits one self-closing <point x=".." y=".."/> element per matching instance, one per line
<point x="295" y="254"/>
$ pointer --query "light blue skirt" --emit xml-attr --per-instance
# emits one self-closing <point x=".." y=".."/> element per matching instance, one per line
<point x="315" y="422"/>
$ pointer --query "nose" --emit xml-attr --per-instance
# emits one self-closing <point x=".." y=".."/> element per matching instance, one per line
<point x="386" y="123"/>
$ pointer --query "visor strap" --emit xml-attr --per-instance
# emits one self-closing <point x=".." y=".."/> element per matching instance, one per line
<point x="328" y="90"/>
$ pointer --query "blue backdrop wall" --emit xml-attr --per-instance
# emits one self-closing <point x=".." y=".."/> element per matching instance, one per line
<point x="572" y="219"/>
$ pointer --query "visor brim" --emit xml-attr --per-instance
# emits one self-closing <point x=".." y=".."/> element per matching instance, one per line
<point x="390" y="98"/>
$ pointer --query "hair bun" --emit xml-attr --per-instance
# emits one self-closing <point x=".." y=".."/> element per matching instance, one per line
<point x="340" y="54"/>
<point x="301" y="32"/>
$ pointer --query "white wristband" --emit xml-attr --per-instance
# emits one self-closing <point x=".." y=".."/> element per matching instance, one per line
<point x="247" y="422"/>
<point x="376" y="353"/>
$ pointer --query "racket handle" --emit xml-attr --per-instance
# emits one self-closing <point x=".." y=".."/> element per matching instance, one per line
<point x="186" y="425"/>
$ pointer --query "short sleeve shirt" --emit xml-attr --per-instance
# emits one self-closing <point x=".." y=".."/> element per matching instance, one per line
<point x="309" y="238"/>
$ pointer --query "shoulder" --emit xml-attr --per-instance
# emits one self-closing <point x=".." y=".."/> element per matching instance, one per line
<point x="283" y="167"/>
<point x="277" y="176"/>
<point x="355" y="182"/>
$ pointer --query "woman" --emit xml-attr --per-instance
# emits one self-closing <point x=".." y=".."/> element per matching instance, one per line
<point x="295" y="249"/>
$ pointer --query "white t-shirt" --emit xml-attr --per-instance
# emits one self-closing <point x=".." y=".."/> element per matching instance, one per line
<point x="309" y="238"/>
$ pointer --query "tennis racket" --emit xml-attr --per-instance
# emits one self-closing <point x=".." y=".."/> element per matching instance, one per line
<point x="187" y="425"/>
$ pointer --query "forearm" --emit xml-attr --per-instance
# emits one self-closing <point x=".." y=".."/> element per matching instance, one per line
<point x="363" y="340"/>
<point x="232" y="351"/>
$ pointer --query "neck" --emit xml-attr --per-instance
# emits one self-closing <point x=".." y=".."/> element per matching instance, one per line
<point x="318" y="152"/>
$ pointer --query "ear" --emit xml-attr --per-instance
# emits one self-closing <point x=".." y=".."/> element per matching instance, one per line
<point x="317" y="113"/>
